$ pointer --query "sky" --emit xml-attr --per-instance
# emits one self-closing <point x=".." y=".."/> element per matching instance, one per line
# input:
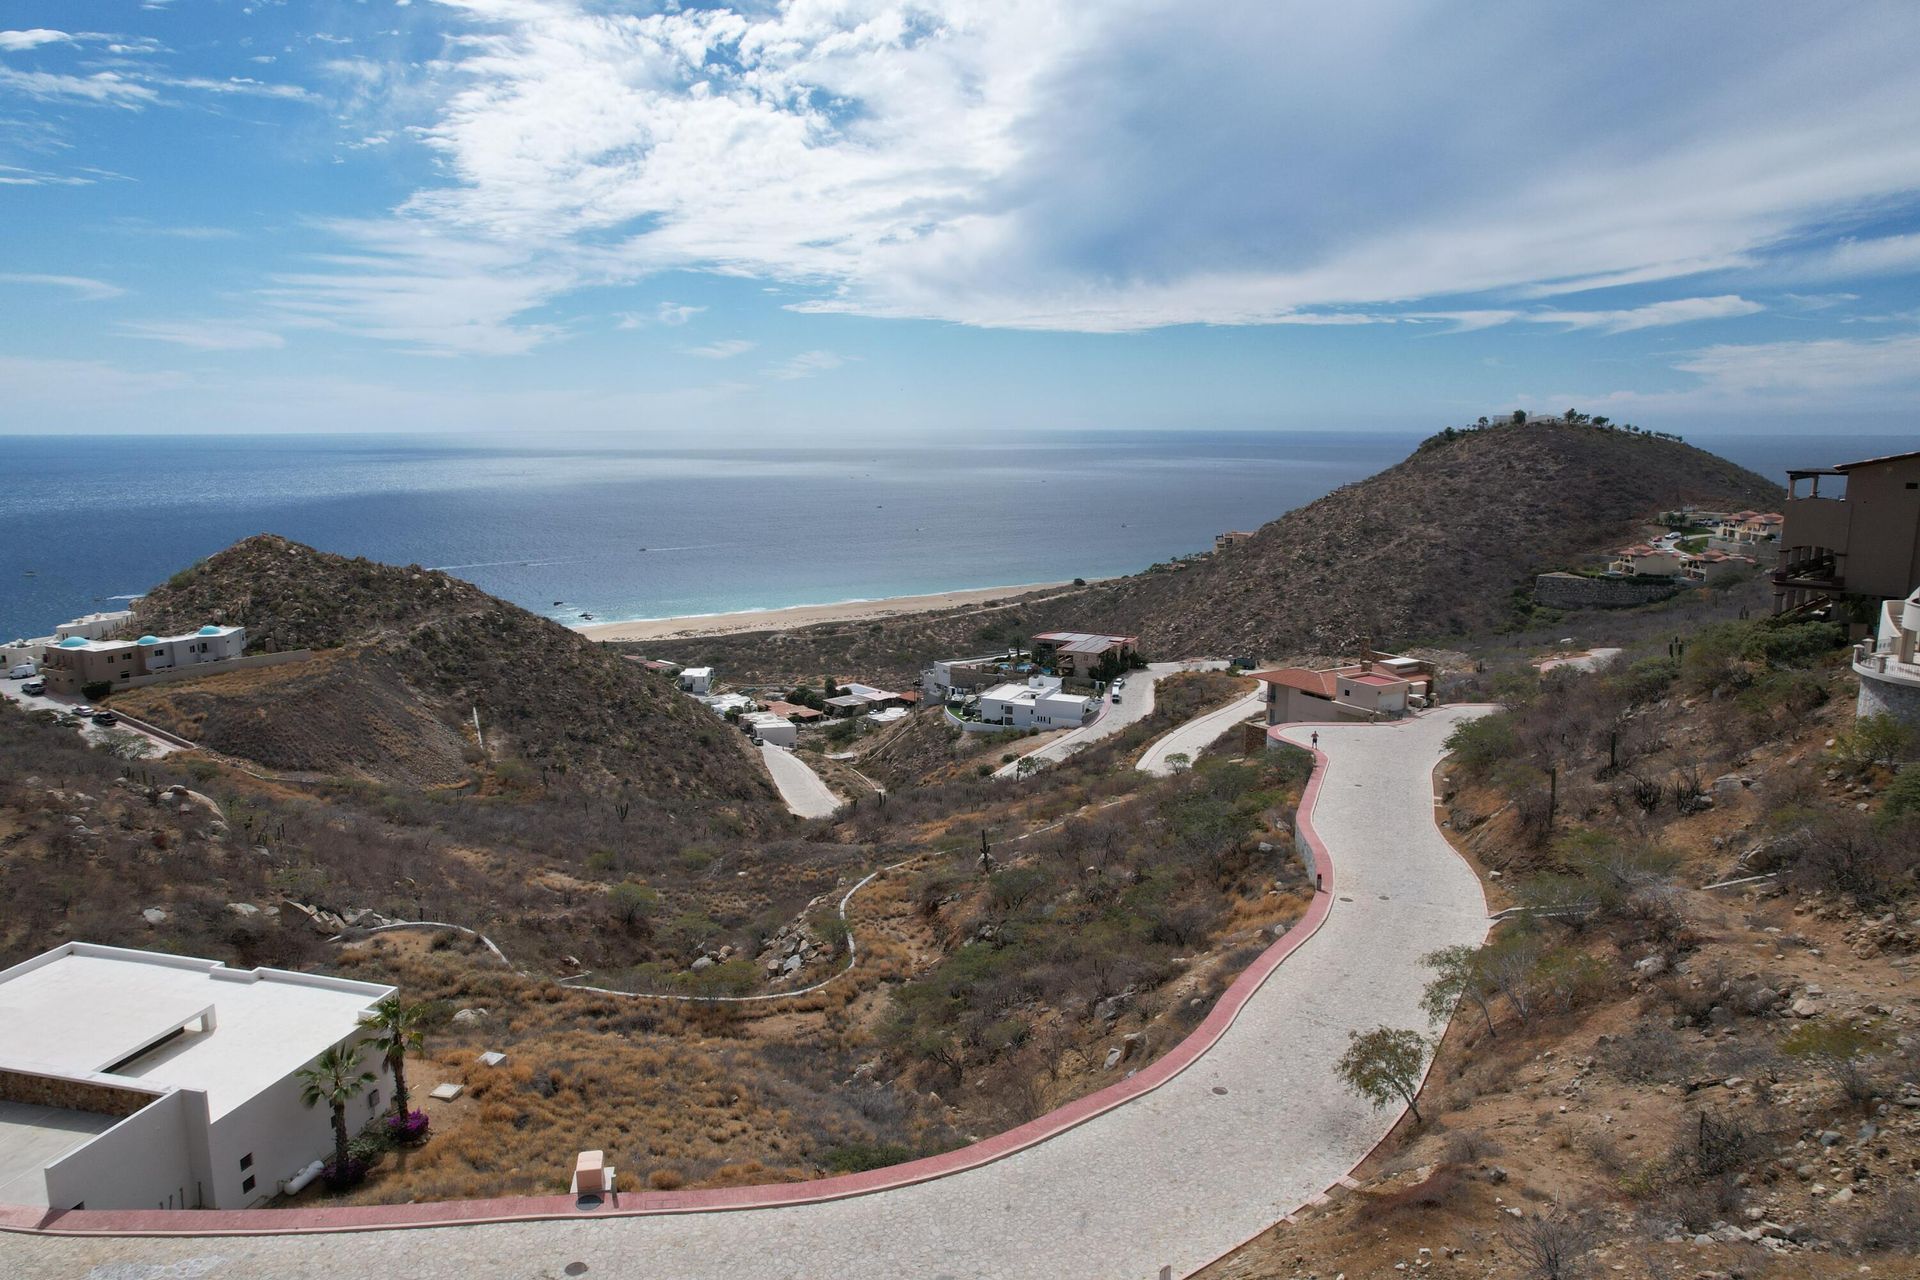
<point x="828" y="218"/>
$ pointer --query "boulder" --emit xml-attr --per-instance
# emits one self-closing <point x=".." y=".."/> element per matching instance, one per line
<point x="245" y="910"/>
<point x="704" y="962"/>
<point x="154" y="916"/>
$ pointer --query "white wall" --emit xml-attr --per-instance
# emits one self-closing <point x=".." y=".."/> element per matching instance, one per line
<point x="147" y="1161"/>
<point x="284" y="1135"/>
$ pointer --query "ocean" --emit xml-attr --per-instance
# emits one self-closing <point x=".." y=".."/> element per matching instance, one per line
<point x="622" y="531"/>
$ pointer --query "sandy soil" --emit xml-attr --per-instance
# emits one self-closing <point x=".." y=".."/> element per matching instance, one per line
<point x="805" y="615"/>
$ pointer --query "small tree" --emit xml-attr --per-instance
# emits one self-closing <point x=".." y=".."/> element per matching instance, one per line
<point x="1551" y="1246"/>
<point x="1457" y="977"/>
<point x="632" y="902"/>
<point x="1384" y="1066"/>
<point x="398" y="1030"/>
<point x="1179" y="761"/>
<point x="336" y="1079"/>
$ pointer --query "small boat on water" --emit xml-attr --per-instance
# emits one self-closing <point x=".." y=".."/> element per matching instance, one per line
<point x="587" y="616"/>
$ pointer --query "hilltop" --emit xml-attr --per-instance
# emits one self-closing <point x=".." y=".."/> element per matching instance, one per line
<point x="404" y="658"/>
<point x="1429" y="550"/>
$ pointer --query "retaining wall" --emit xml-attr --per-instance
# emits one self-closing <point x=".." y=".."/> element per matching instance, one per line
<point x="1571" y="591"/>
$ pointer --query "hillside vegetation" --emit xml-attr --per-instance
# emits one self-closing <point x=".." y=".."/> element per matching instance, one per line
<point x="406" y="657"/>
<point x="1432" y="549"/>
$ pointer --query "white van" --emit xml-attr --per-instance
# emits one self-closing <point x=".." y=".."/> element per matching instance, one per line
<point x="23" y="671"/>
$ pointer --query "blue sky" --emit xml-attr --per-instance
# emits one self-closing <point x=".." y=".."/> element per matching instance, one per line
<point x="818" y="218"/>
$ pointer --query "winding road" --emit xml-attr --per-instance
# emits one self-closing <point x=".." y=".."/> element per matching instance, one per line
<point x="1135" y="705"/>
<point x="1224" y="1135"/>
<point x="1199" y="733"/>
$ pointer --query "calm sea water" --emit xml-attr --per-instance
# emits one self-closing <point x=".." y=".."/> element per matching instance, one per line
<point x="624" y="532"/>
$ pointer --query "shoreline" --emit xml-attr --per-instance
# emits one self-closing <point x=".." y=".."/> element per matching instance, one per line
<point x="803" y="615"/>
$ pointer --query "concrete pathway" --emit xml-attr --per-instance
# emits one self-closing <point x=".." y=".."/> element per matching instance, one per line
<point x="1201" y="732"/>
<point x="806" y="795"/>
<point x="1252" y="1129"/>
<point x="1135" y="705"/>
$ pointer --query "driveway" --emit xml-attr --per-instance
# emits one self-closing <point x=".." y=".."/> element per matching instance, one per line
<point x="96" y="735"/>
<point x="1255" y="1127"/>
<point x="1201" y="732"/>
<point x="1135" y="705"/>
<point x="800" y="786"/>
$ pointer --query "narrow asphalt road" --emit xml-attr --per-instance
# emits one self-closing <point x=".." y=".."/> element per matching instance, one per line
<point x="1135" y="705"/>
<point x="1253" y="1129"/>
<point x="1199" y="733"/>
<point x="800" y="786"/>
<point x="96" y="735"/>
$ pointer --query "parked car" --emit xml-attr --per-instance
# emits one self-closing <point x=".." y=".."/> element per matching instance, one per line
<point x="83" y="710"/>
<point x="23" y="671"/>
<point x="104" y="716"/>
<point x="35" y="685"/>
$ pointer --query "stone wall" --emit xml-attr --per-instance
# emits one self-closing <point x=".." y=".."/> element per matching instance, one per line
<point x="1571" y="591"/>
<point x="1888" y="697"/>
<point x="70" y="1095"/>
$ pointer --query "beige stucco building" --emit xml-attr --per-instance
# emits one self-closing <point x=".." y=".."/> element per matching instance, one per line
<point x="77" y="661"/>
<point x="1865" y="541"/>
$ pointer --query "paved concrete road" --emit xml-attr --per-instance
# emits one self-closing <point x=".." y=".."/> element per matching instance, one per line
<point x="799" y="785"/>
<point x="1248" y="1133"/>
<point x="93" y="733"/>
<point x="1135" y="705"/>
<point x="1201" y="732"/>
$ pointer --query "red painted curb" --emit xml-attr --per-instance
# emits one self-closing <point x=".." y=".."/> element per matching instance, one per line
<point x="446" y="1213"/>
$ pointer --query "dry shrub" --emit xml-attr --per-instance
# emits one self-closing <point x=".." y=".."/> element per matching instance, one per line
<point x="666" y="1180"/>
<point x="1435" y="1191"/>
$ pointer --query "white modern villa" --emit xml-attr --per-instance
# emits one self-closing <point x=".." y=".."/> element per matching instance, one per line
<point x="1037" y="704"/>
<point x="1888" y="664"/>
<point x="136" y="1080"/>
<point x="77" y="660"/>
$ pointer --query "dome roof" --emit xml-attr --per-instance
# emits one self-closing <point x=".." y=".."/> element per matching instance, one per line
<point x="148" y="640"/>
<point x="73" y="642"/>
<point x="208" y="630"/>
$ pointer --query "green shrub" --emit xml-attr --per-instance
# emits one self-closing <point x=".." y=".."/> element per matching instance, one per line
<point x="1902" y="796"/>
<point x="1478" y="745"/>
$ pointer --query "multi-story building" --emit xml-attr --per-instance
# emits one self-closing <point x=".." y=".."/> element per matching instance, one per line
<point x="1863" y="540"/>
<point x="75" y="662"/>
<point x="1077" y="653"/>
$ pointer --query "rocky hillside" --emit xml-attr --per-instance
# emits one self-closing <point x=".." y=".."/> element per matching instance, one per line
<point x="1427" y="551"/>
<point x="405" y="656"/>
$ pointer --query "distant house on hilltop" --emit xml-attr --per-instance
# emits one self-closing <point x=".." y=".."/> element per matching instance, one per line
<point x="1232" y="537"/>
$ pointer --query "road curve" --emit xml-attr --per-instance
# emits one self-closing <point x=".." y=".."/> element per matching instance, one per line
<point x="1251" y="1129"/>
<point x="1135" y="705"/>
<point x="800" y="787"/>
<point x="1199" y="733"/>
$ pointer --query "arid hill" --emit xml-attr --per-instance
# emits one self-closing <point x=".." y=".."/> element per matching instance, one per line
<point x="1429" y="550"/>
<point x="404" y="658"/>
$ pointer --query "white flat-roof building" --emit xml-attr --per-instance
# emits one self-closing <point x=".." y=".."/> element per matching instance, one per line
<point x="1037" y="704"/>
<point x="136" y="1080"/>
<point x="769" y="727"/>
<point x="697" y="681"/>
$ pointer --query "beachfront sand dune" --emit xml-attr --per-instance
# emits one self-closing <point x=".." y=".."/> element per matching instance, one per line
<point x="805" y="615"/>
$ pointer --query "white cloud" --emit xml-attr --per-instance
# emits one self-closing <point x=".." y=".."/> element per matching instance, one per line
<point x="205" y="335"/>
<point x="14" y="41"/>
<point x="106" y="88"/>
<point x="671" y="314"/>
<point x="806" y="365"/>
<point x="1674" y="311"/>
<point x="1827" y="365"/>
<point x="725" y="349"/>
<point x="85" y="288"/>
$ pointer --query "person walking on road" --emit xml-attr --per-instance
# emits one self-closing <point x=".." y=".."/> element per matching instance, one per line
<point x="1316" y="737"/>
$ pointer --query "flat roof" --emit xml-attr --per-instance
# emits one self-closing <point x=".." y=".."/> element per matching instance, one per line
<point x="1083" y="641"/>
<point x="1375" y="678"/>
<point x="1845" y="467"/>
<point x="82" y="1008"/>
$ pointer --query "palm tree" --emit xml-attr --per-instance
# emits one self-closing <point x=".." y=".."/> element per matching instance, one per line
<point x="335" y="1078"/>
<point x="397" y="1029"/>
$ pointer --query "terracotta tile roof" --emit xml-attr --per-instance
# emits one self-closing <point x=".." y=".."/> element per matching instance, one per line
<point x="1318" y="683"/>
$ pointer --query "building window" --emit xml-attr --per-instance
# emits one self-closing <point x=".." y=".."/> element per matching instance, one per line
<point x="246" y="1162"/>
<point x="248" y="1184"/>
<point x="373" y="1099"/>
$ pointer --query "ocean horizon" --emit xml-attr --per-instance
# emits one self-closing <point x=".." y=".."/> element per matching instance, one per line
<point x="628" y="533"/>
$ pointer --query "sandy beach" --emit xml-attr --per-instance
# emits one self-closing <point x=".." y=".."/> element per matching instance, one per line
<point x="802" y="615"/>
